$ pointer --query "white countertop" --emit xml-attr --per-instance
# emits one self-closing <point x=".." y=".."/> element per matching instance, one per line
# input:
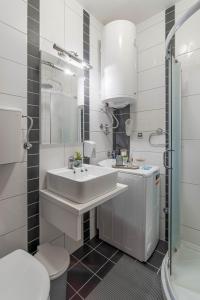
<point x="81" y="208"/>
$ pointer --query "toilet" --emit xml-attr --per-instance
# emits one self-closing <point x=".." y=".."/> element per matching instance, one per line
<point x="22" y="277"/>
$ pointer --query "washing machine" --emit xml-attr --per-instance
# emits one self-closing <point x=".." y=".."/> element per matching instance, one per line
<point x="130" y="221"/>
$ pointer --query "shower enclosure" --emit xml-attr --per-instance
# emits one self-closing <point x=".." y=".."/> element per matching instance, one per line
<point x="181" y="267"/>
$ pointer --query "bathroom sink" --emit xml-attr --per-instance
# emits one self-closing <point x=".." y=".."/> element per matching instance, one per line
<point x="83" y="184"/>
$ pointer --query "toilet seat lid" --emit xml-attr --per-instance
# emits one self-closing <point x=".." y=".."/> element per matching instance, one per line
<point x="22" y="277"/>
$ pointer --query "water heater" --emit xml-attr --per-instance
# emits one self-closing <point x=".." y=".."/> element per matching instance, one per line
<point x="119" y="64"/>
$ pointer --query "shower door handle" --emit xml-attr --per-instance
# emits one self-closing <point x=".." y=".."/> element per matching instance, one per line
<point x="165" y="159"/>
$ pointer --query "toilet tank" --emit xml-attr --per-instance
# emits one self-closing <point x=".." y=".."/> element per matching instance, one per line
<point x="119" y="64"/>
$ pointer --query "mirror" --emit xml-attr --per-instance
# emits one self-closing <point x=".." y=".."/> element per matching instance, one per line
<point x="61" y="98"/>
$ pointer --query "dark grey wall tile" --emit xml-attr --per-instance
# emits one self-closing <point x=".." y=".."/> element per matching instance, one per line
<point x="120" y="139"/>
<point x="33" y="185"/>
<point x="33" y="197"/>
<point x="33" y="221"/>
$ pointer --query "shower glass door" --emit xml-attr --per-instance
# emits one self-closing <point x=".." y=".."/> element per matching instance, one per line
<point x="174" y="156"/>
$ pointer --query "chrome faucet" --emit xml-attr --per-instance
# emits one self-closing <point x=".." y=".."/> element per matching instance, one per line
<point x="71" y="162"/>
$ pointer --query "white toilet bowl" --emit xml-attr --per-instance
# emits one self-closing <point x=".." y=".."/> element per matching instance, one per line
<point x="22" y="277"/>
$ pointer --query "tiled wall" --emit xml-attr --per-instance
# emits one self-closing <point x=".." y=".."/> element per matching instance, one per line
<point x="188" y="53"/>
<point x="70" y="31"/>
<point x="33" y="111"/>
<point x="148" y="112"/>
<point x="13" y="93"/>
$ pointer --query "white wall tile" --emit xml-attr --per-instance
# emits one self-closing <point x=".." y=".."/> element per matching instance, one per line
<point x="163" y="190"/>
<point x="187" y="37"/>
<point x="152" y="36"/>
<point x="190" y="161"/>
<point x="99" y="157"/>
<point x="10" y="37"/>
<point x="162" y="206"/>
<point x="148" y="120"/>
<point x="103" y="142"/>
<point x="51" y="157"/>
<point x="95" y="71"/>
<point x="75" y="6"/>
<point x="59" y="242"/>
<point x="149" y="100"/>
<point x="162" y="229"/>
<point x="142" y="144"/>
<point x="14" y="240"/>
<point x="190" y="117"/>
<point x="72" y="245"/>
<point x="151" y="79"/>
<point x="48" y="232"/>
<point x="96" y="23"/>
<point x="47" y="46"/>
<point x="151" y="58"/>
<point x="13" y="180"/>
<point x="95" y="36"/>
<point x="70" y="151"/>
<point x="190" y="205"/>
<point x="13" y="213"/>
<point x="14" y="13"/>
<point x="183" y="5"/>
<point x="190" y="65"/>
<point x="97" y="118"/>
<point x="73" y="31"/>
<point x="93" y="231"/>
<point x="156" y="19"/>
<point x="190" y="235"/>
<point x="52" y="20"/>
<point x="13" y="78"/>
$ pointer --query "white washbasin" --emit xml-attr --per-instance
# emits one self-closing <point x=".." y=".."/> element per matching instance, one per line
<point x="82" y="187"/>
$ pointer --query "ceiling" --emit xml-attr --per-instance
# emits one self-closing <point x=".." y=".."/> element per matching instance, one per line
<point x="133" y="10"/>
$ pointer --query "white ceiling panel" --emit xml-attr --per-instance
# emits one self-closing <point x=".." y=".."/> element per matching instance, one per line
<point x="134" y="10"/>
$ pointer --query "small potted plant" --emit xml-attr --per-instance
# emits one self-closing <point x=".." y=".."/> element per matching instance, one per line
<point x="78" y="159"/>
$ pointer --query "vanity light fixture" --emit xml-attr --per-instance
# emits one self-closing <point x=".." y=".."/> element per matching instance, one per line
<point x="72" y="58"/>
<point x="65" y="70"/>
<point x="68" y="72"/>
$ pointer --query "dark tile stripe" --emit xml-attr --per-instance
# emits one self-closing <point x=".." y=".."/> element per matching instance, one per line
<point x="33" y="88"/>
<point x="86" y="113"/>
<point x="120" y="139"/>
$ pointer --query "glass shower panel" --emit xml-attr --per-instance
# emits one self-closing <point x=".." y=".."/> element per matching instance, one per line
<point x="174" y="156"/>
